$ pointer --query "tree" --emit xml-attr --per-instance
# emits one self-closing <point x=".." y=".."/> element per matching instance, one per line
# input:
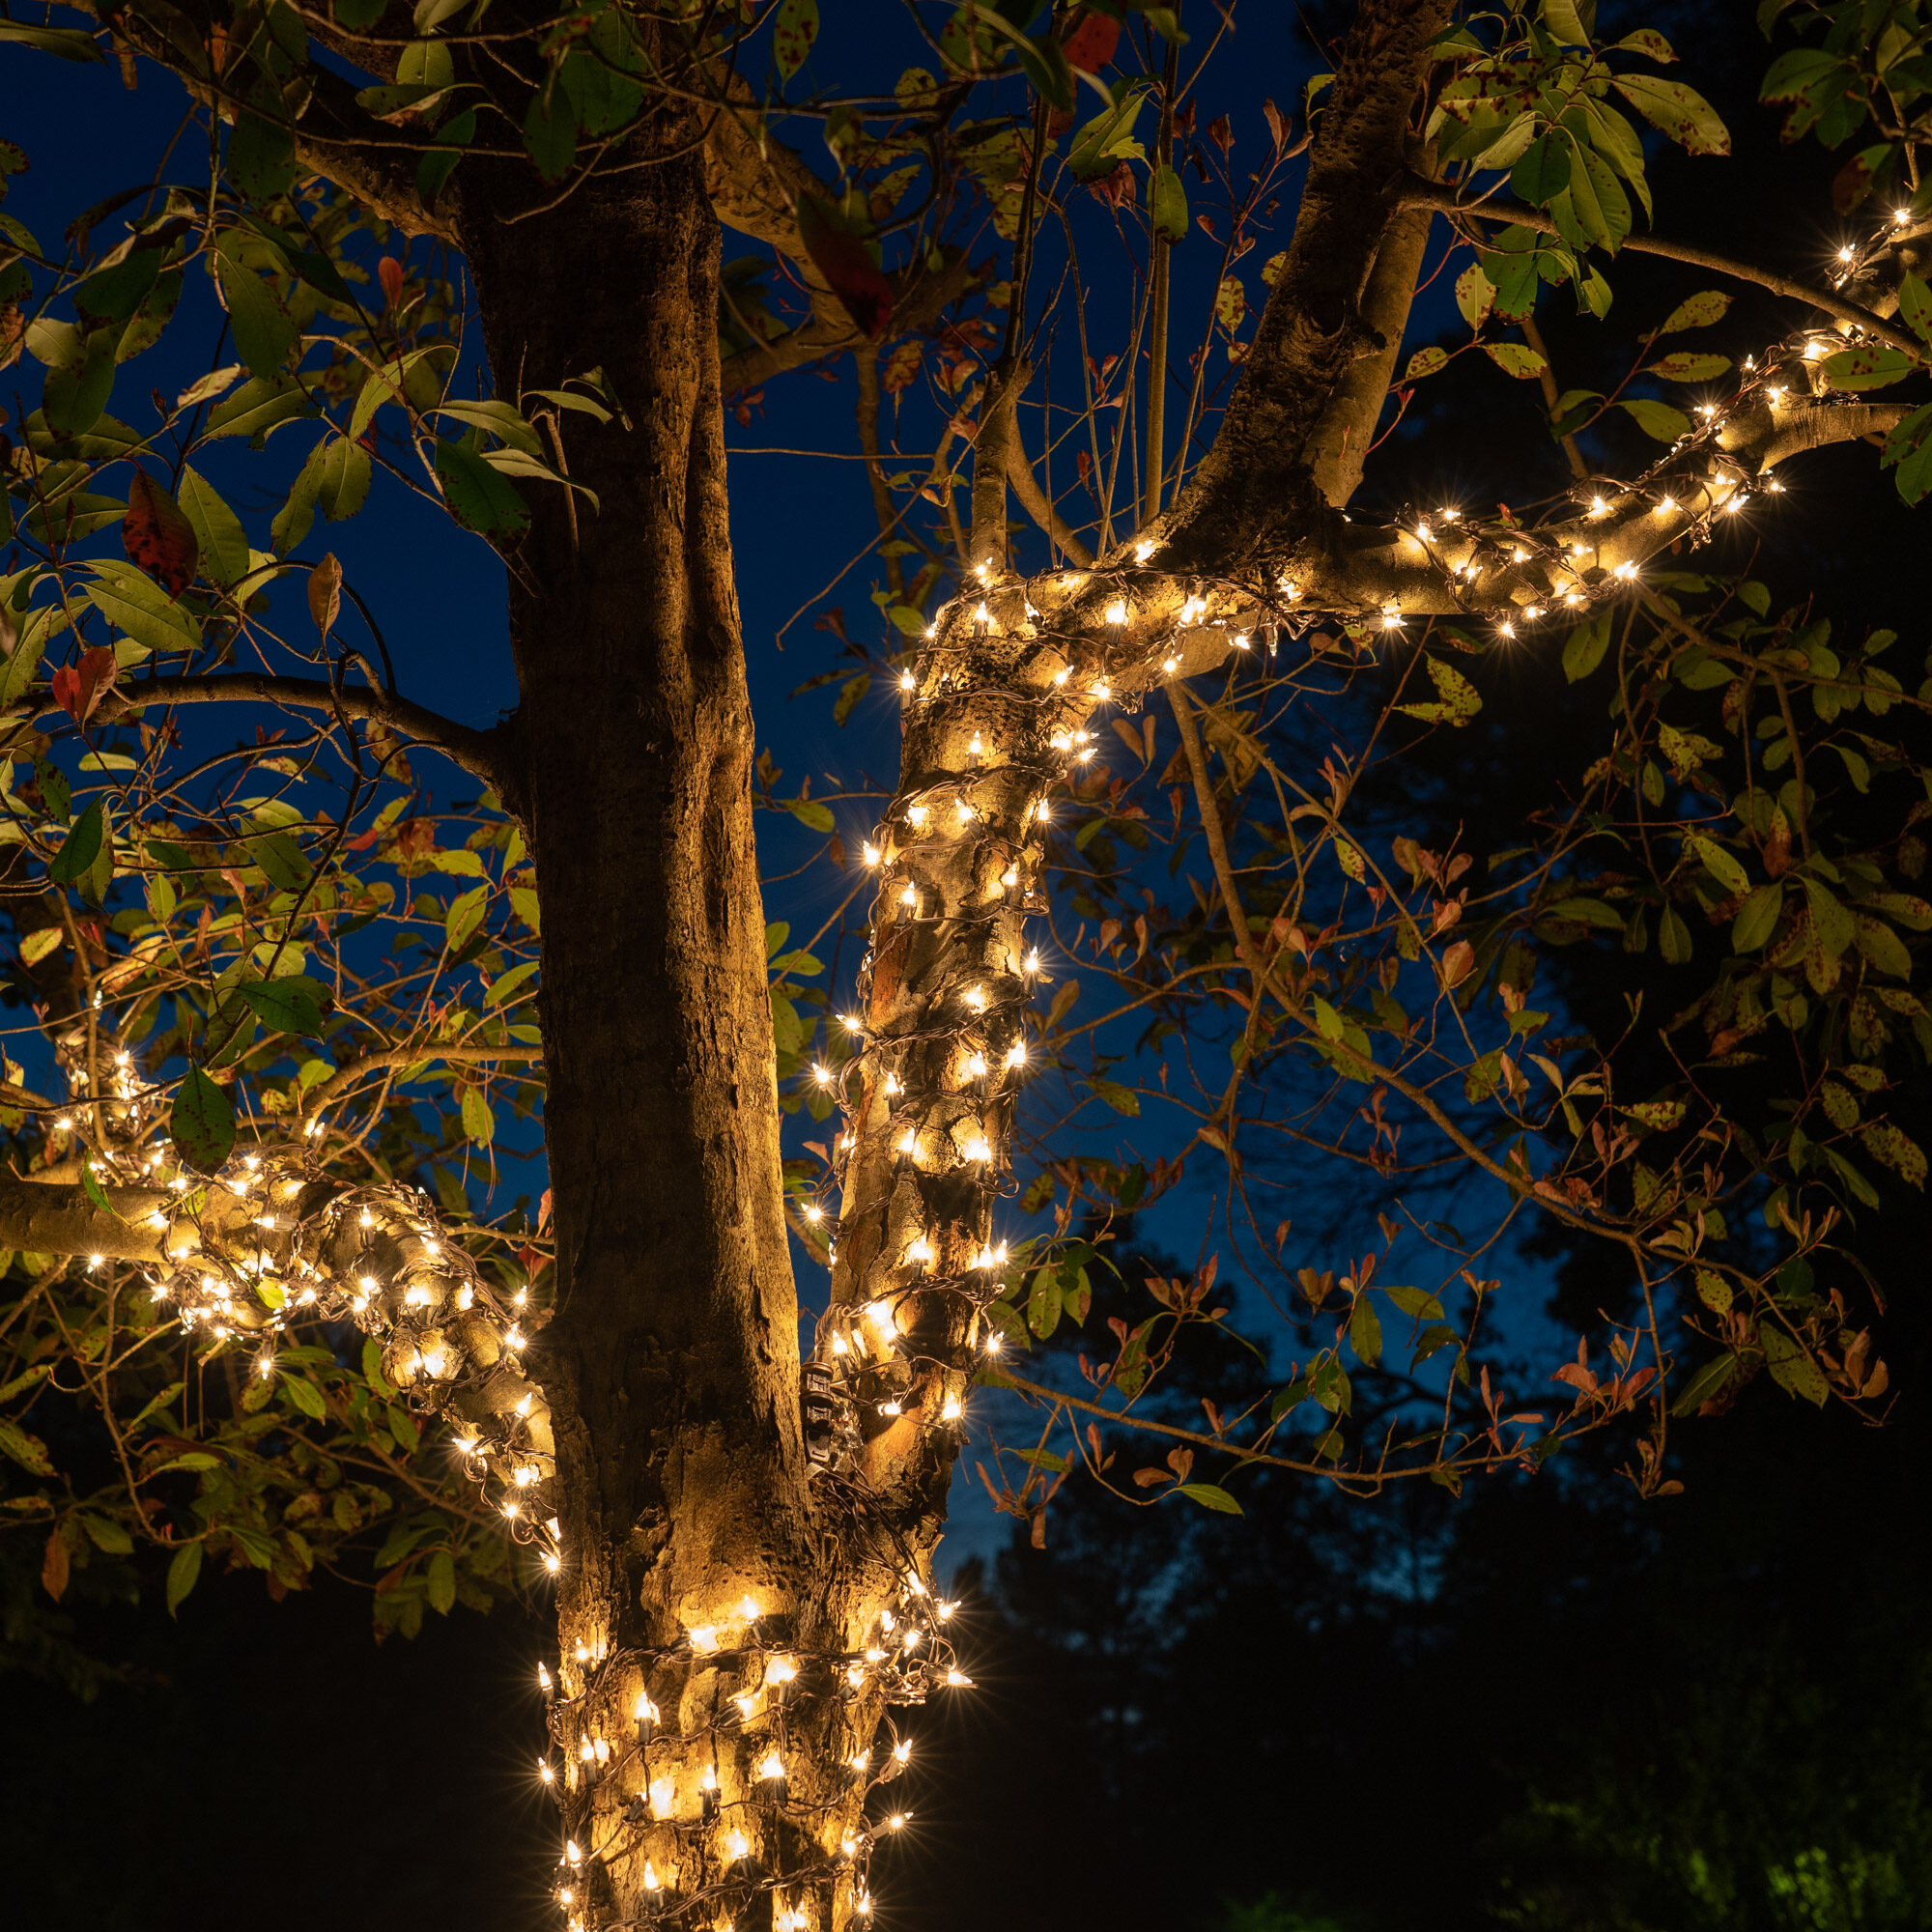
<point x="741" y="1540"/>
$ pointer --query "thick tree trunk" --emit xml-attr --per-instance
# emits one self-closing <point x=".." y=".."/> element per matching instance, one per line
<point x="671" y="1367"/>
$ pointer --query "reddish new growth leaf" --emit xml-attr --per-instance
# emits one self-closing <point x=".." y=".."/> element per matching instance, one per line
<point x="843" y="260"/>
<point x="158" y="537"/>
<point x="78" y="688"/>
<point x="389" y="273"/>
<point x="1090" y="41"/>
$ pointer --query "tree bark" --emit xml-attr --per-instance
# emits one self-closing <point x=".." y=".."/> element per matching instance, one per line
<point x="671" y="1366"/>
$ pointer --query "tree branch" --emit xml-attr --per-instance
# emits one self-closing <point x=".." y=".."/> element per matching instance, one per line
<point x="40" y="1219"/>
<point x="412" y="1056"/>
<point x="1254" y="482"/>
<point x="334" y="136"/>
<point x="1427" y="194"/>
<point x="1339" y="443"/>
<point x="480" y="752"/>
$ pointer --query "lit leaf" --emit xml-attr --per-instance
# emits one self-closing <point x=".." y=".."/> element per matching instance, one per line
<point x="202" y="1123"/>
<point x="1210" y="1496"/>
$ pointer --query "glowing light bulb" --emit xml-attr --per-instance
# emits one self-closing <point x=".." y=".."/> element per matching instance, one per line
<point x="1016" y="1053"/>
<point x="979" y="1148"/>
<point x="1143" y="549"/>
<point x="917" y="815"/>
<point x="976" y="1065"/>
<point x="872" y="853"/>
<point x="738" y="1846"/>
<point x="1116" y="613"/>
<point x="771" y="1766"/>
<point x="907" y="682"/>
<point x="704" y="1637"/>
<point x="957" y="1680"/>
<point x="921" y="1251"/>
<point x="1103" y="691"/>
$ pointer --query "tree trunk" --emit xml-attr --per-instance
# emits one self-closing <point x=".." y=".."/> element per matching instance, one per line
<point x="670" y="1368"/>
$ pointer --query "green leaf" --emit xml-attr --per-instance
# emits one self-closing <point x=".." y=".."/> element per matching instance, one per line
<point x="1122" y="1099"/>
<point x="202" y="1123"/>
<point x="1757" y="918"/>
<point x="1365" y="1331"/>
<point x="1677" y="111"/>
<point x="1416" y="1302"/>
<point x="217" y="530"/>
<point x="183" y="1573"/>
<point x="305" y="1396"/>
<point x="1108" y="139"/>
<point x="1475" y="295"/>
<point x="29" y="1451"/>
<point x="265" y="333"/>
<point x="1170" y="205"/>
<point x="344" y="481"/>
<point x="1516" y="359"/>
<point x="280" y="855"/>
<point x="1658" y="420"/>
<point x="1044" y="1303"/>
<point x="1882" y="945"/>
<point x="1543" y="172"/>
<point x="258" y="407"/>
<point x="1698" y="311"/>
<point x="130" y="600"/>
<point x="1720" y="864"/>
<point x="110" y="1536"/>
<point x="810" y="812"/>
<point x="72" y="44"/>
<point x="1709" y="1382"/>
<point x="442" y="1582"/>
<point x="1584" y="649"/>
<point x="79" y="848"/>
<point x="1792" y="1368"/>
<point x="1915" y="305"/>
<point x="1458" y="700"/>
<point x="1685" y="367"/>
<point x="1869" y="366"/>
<point x="464" y="915"/>
<point x="1674" y="937"/>
<point x="1898" y="1152"/>
<point x="479" y="1123"/>
<point x="479" y="496"/>
<point x="289" y="1006"/>
<point x="549" y="133"/>
<point x="794" y="32"/>
<point x="1210" y="1496"/>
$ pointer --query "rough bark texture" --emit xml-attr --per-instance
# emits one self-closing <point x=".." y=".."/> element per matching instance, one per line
<point x="671" y="1364"/>
<point x="1254" y="482"/>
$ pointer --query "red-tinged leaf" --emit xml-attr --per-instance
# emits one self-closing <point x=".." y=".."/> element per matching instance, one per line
<point x="325" y="592"/>
<point x="843" y="259"/>
<point x="158" y="537"/>
<point x="78" y="688"/>
<point x="389" y="273"/>
<point x="1456" y="962"/>
<point x="1278" y="125"/>
<point x="54" y="1564"/>
<point x="1091" y="41"/>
